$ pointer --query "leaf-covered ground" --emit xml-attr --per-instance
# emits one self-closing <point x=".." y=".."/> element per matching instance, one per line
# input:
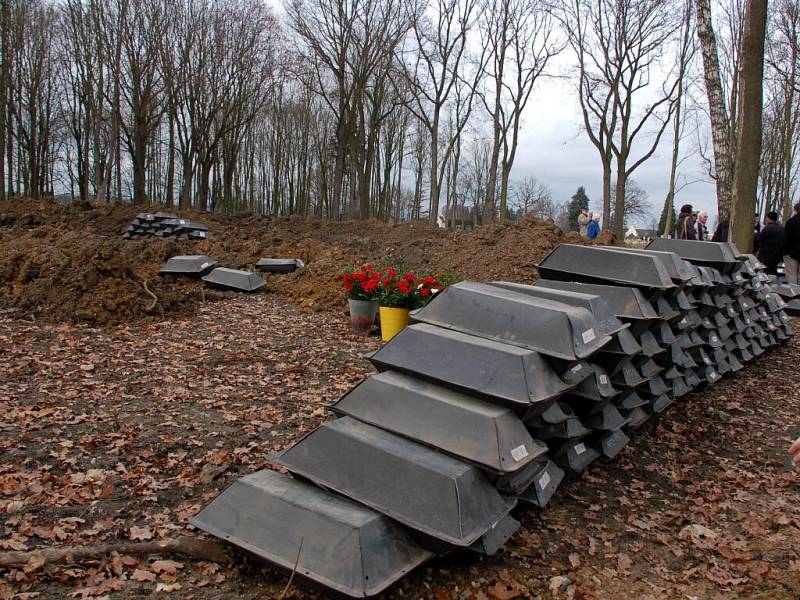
<point x="120" y="434"/>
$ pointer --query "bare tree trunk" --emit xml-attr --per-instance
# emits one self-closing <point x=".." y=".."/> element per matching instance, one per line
<point x="607" y="192"/>
<point x="196" y="548"/>
<point x="789" y="134"/>
<point x="748" y="139"/>
<point x="491" y="187"/>
<point x="170" y="190"/>
<point x="720" y="128"/>
<point x="5" y="82"/>
<point x="619" y="200"/>
<point x="683" y="59"/>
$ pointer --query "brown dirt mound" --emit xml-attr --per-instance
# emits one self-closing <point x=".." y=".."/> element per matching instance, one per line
<point x="69" y="263"/>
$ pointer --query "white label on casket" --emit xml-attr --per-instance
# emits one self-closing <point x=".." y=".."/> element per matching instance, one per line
<point x="588" y="336"/>
<point x="712" y="374"/>
<point x="204" y="265"/>
<point x="182" y="222"/>
<point x="784" y="317"/>
<point x="544" y="480"/>
<point x="713" y="338"/>
<point x="580" y="449"/>
<point x="576" y="368"/>
<point x="738" y="276"/>
<point x="603" y="380"/>
<point x="707" y="360"/>
<point x="519" y="453"/>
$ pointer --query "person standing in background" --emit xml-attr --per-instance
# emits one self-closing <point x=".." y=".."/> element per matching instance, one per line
<point x="593" y="230"/>
<point x="721" y="232"/>
<point x="583" y="222"/>
<point x="791" y="246"/>
<point x="770" y="243"/>
<point x="702" y="230"/>
<point x="686" y="224"/>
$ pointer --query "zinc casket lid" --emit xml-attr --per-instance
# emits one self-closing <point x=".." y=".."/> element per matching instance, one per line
<point x="426" y="490"/>
<point x="600" y="264"/>
<point x="594" y="303"/>
<point x="234" y="279"/>
<point x="463" y="426"/>
<point x="506" y="374"/>
<point x="551" y="328"/>
<point x="625" y="302"/>
<point x="345" y="546"/>
<point x="192" y="264"/>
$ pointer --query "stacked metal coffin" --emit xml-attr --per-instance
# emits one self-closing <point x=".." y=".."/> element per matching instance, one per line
<point x="789" y="292"/>
<point x="486" y="400"/>
<point x="164" y="225"/>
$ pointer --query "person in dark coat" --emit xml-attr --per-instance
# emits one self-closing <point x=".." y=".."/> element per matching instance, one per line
<point x="791" y="246"/>
<point x="686" y="227"/>
<point x="770" y="243"/>
<point x="721" y="232"/>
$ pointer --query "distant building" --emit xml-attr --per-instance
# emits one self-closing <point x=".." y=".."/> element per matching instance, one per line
<point x="646" y="235"/>
<point x="461" y="217"/>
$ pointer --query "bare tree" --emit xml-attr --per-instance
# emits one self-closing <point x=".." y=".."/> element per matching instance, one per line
<point x="141" y="84"/>
<point x="534" y="197"/>
<point x="475" y="177"/>
<point x="618" y="44"/>
<point x="779" y="157"/>
<point x="433" y="65"/>
<point x="30" y="91"/>
<point x="749" y="134"/>
<point x="636" y="204"/>
<point x="348" y="42"/>
<point x="717" y="107"/>
<point x="520" y="38"/>
<point x="685" y="54"/>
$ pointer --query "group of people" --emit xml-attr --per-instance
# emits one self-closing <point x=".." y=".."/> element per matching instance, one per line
<point x="589" y="224"/>
<point x="774" y="243"/>
<point x="691" y="225"/>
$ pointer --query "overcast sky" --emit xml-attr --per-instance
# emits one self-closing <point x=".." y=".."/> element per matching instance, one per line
<point x="555" y="149"/>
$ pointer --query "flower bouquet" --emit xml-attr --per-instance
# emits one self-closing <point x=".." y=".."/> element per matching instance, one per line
<point x="362" y="285"/>
<point x="402" y="293"/>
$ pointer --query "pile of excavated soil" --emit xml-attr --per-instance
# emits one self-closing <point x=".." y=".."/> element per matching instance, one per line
<point x="70" y="263"/>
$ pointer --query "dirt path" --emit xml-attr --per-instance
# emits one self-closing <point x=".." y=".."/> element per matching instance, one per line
<point x="152" y="421"/>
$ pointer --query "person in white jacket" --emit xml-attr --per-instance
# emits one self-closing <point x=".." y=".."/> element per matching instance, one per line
<point x="583" y="222"/>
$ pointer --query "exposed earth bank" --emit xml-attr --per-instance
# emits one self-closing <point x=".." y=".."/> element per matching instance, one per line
<point x="69" y="263"/>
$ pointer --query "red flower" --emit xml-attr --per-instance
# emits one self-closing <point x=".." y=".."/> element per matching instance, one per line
<point x="409" y="277"/>
<point x="358" y="276"/>
<point x="425" y="292"/>
<point x="403" y="286"/>
<point x="348" y="287"/>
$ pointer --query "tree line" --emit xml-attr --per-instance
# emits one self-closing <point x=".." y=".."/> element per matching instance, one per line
<point x="392" y="109"/>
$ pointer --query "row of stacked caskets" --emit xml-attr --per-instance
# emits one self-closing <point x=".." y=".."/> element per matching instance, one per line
<point x="481" y="406"/>
<point x="164" y="225"/>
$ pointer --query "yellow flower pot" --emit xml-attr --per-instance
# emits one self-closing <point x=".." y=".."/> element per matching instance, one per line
<point x="392" y="321"/>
